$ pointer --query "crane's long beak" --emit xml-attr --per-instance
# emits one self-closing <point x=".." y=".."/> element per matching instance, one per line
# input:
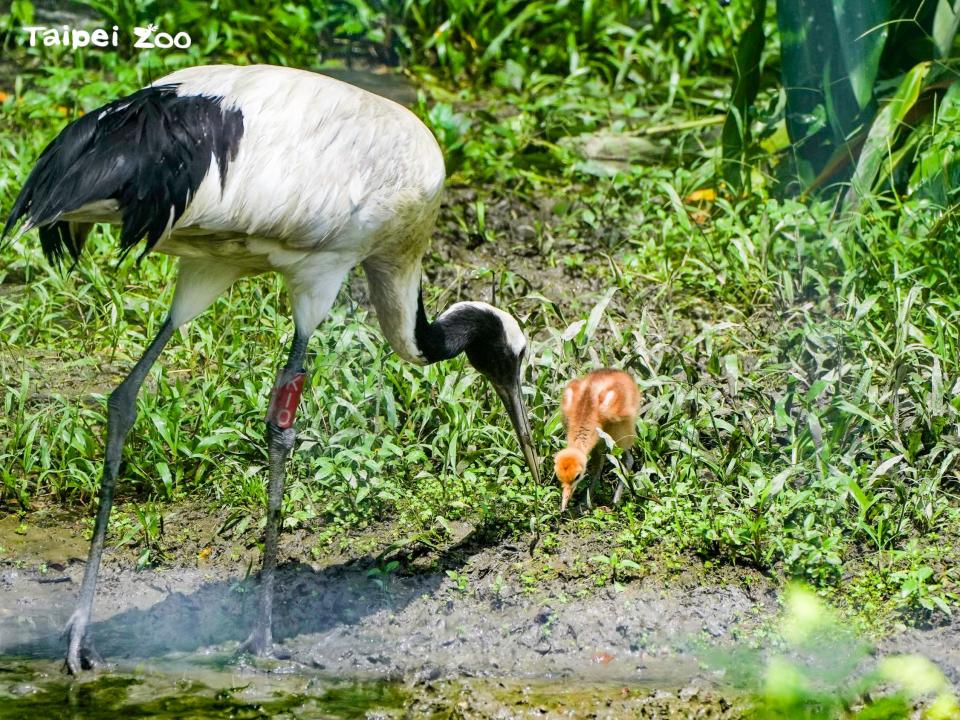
<point x="513" y="399"/>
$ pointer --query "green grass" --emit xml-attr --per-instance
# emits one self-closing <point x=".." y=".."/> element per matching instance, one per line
<point x="815" y="670"/>
<point x="799" y="368"/>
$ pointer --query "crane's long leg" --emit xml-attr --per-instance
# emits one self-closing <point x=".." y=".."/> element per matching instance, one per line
<point x="281" y="435"/>
<point x="121" y="412"/>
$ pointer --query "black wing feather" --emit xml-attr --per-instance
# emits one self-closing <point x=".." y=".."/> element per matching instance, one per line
<point x="148" y="151"/>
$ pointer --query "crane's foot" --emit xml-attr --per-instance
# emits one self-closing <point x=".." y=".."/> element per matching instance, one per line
<point x="85" y="658"/>
<point x="260" y="644"/>
<point x="81" y="654"/>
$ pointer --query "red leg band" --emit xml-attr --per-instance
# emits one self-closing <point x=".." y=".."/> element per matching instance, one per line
<point x="284" y="400"/>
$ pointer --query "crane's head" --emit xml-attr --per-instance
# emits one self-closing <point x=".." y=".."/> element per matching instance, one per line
<point x="569" y="464"/>
<point x="496" y="347"/>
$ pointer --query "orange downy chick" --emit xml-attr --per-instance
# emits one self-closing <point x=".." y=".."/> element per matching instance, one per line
<point x="605" y="399"/>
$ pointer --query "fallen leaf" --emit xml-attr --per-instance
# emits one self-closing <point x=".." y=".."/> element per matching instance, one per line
<point x="701" y="195"/>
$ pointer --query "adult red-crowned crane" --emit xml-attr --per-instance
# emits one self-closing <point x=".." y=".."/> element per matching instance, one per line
<point x="245" y="170"/>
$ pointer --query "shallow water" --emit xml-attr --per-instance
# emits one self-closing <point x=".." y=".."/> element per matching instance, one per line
<point x="192" y="689"/>
<point x="219" y="686"/>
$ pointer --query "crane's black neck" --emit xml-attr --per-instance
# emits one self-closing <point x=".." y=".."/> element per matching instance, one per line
<point x="439" y="340"/>
<point x="471" y="328"/>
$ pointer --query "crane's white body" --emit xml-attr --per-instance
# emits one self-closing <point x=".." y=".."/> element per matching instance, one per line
<point x="246" y="170"/>
<point x="327" y="176"/>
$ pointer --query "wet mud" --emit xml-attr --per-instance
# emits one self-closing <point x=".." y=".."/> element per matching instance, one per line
<point x="469" y="614"/>
<point x="471" y="642"/>
<point x="456" y="634"/>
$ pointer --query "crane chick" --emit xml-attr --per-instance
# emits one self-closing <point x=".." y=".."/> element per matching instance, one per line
<point x="604" y="399"/>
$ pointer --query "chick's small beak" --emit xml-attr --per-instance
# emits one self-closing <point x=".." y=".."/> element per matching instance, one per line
<point x="513" y="400"/>
<point x="565" y="497"/>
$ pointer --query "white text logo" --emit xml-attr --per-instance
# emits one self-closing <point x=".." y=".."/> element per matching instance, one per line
<point x="145" y="38"/>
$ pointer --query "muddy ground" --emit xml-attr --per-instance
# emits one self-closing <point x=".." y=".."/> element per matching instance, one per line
<point x="552" y="648"/>
<point x="462" y="610"/>
<point x="456" y="631"/>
